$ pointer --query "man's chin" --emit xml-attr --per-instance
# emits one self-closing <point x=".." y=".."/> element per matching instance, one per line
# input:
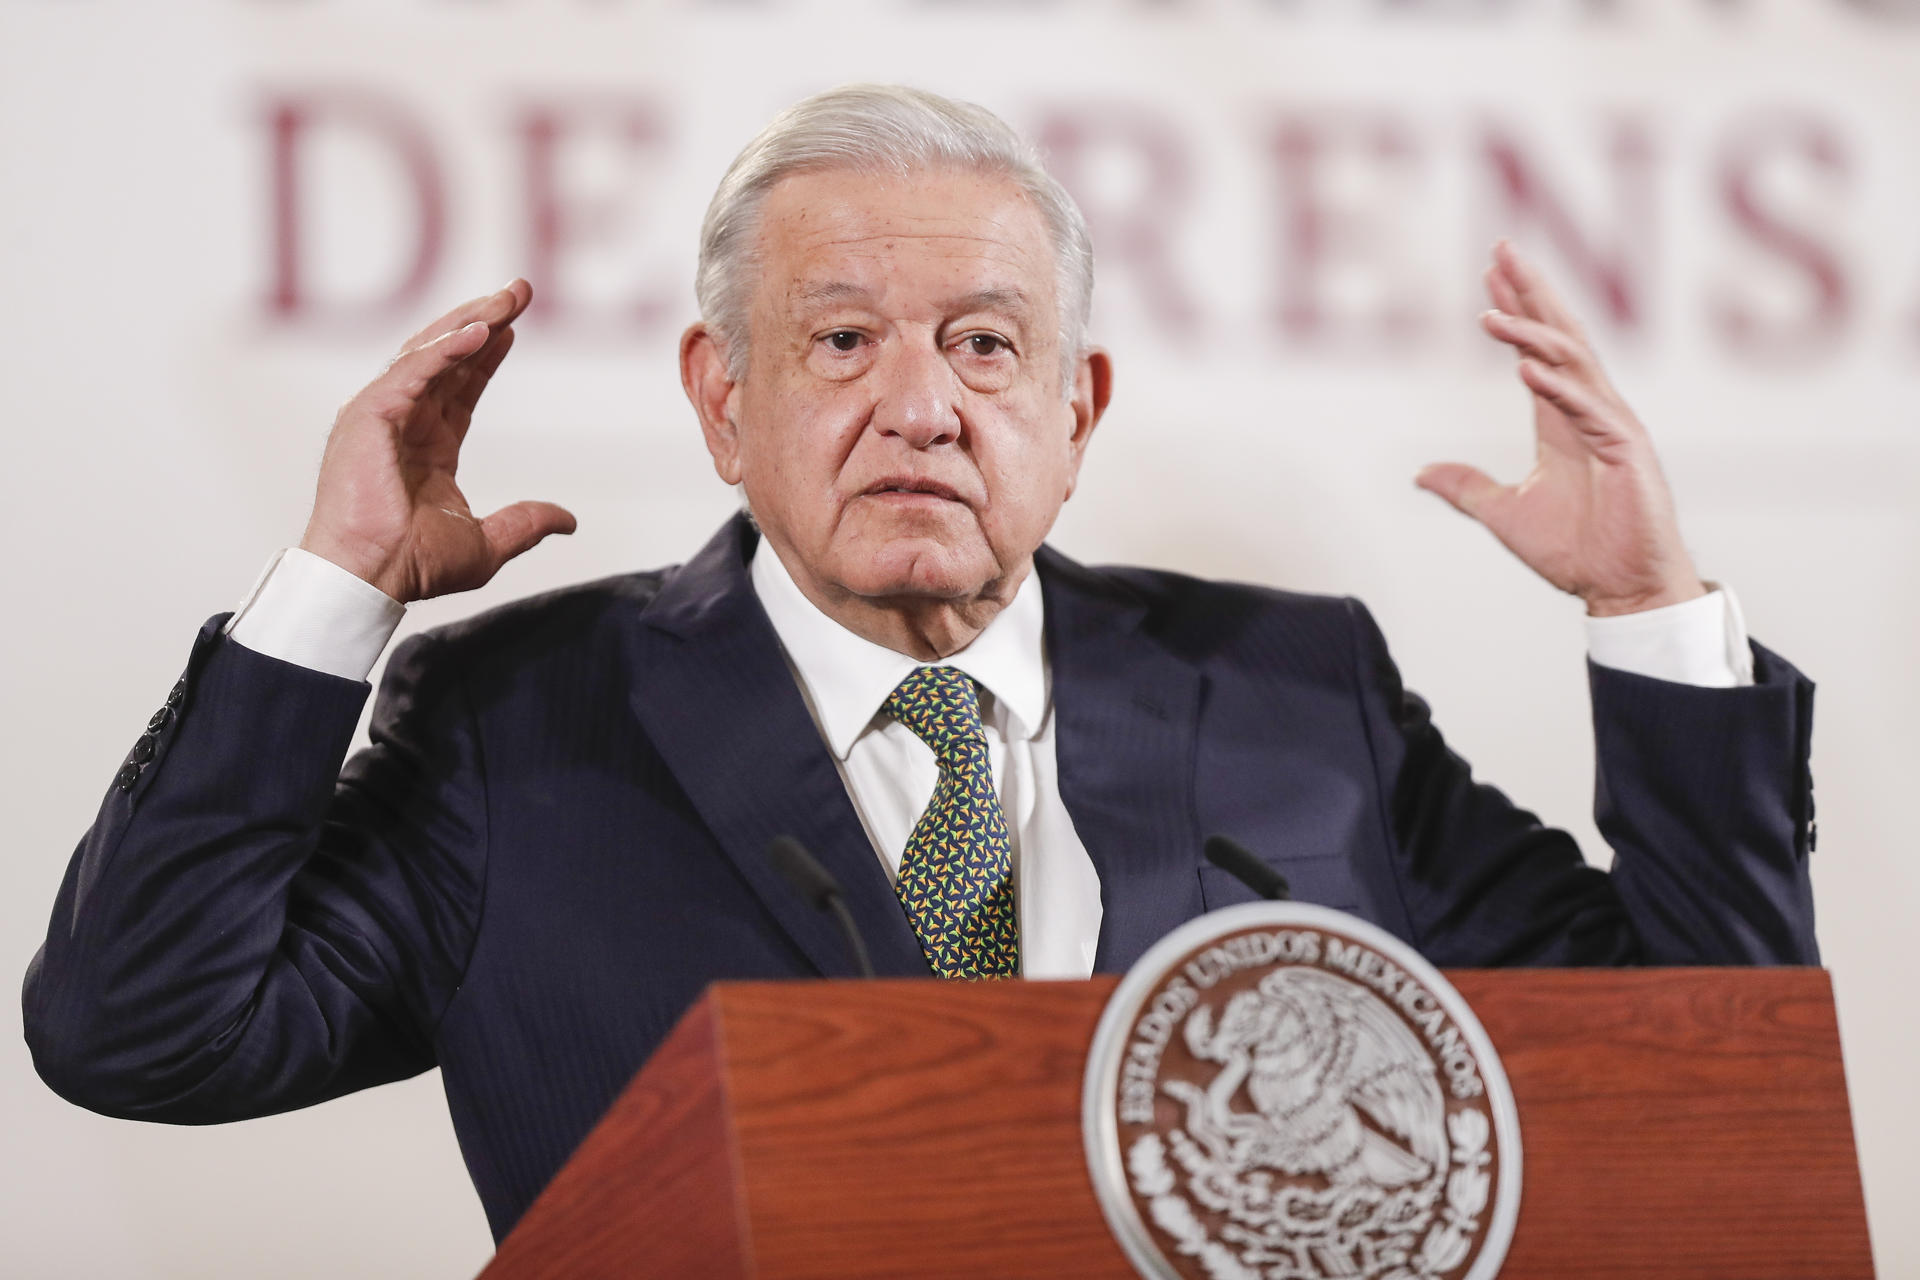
<point x="917" y="568"/>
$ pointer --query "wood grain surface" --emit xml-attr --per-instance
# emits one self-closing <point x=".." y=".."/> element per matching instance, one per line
<point x="1676" y="1123"/>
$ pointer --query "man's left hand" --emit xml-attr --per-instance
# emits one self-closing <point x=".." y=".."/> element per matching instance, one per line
<point x="1595" y="517"/>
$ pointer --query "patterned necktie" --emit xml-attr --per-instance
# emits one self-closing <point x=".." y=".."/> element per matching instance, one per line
<point x="956" y="877"/>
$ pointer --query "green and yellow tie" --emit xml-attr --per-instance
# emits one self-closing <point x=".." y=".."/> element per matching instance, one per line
<point x="956" y="877"/>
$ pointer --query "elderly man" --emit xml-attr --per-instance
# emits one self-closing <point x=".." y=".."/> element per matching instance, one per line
<point x="1009" y="760"/>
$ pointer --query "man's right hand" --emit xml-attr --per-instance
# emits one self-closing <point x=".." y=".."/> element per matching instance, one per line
<point x="387" y="508"/>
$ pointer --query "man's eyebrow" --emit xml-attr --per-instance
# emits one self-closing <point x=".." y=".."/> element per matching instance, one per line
<point x="829" y="291"/>
<point x="1008" y="299"/>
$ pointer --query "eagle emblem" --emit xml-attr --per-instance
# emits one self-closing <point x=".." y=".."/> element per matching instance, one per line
<point x="1315" y="1055"/>
<point x="1299" y="1098"/>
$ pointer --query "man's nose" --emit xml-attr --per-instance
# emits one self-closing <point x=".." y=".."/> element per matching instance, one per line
<point x="917" y="395"/>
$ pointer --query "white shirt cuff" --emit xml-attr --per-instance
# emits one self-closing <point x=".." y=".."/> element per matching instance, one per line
<point x="1700" y="642"/>
<point x="307" y="610"/>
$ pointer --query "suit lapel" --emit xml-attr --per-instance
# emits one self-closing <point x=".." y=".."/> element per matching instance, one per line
<point x="720" y="705"/>
<point x="1126" y="710"/>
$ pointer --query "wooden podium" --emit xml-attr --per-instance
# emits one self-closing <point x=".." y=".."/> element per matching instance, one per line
<point x="1675" y="1122"/>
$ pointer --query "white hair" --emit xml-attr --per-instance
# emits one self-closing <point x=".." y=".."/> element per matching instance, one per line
<point x="883" y="130"/>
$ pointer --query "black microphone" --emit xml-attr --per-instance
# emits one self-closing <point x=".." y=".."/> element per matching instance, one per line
<point x="817" y="885"/>
<point x="1233" y="858"/>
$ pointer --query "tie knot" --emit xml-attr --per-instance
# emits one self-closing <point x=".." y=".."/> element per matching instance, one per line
<point x="942" y="706"/>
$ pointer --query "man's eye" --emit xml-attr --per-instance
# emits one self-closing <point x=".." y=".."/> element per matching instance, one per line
<point x="843" y="340"/>
<point x="984" y="344"/>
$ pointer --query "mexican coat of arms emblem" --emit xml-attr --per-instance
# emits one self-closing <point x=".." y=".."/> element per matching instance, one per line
<point x="1279" y="1091"/>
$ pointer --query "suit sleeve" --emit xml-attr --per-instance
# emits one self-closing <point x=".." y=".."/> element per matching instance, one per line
<point x="247" y="928"/>
<point x="1703" y="794"/>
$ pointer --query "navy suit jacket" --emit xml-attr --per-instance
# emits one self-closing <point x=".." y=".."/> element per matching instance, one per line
<point x="557" y="838"/>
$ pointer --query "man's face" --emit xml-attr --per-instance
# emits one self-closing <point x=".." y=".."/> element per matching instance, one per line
<point x="901" y="429"/>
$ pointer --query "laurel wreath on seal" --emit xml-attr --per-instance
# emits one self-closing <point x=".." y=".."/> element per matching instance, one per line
<point x="1444" y="1247"/>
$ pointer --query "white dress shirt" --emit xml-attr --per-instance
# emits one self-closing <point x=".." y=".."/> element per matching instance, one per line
<point x="306" y="610"/>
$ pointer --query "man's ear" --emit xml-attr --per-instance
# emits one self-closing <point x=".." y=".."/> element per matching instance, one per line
<point x="703" y="374"/>
<point x="1092" y="389"/>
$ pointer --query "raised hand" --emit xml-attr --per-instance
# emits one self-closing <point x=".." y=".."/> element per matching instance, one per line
<point x="387" y="507"/>
<point x="1594" y="517"/>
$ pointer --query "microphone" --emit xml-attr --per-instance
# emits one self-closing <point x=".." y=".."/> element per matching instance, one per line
<point x="1233" y="858"/>
<point x="817" y="885"/>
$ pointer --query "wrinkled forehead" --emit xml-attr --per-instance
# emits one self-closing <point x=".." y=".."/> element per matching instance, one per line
<point x="942" y="239"/>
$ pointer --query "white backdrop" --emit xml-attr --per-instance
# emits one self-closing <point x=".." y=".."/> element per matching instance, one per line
<point x="218" y="219"/>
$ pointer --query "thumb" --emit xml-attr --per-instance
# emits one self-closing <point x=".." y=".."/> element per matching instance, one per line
<point x="520" y="527"/>
<point x="1471" y="491"/>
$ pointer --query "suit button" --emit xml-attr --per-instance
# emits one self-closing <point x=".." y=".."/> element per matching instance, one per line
<point x="143" y="749"/>
<point x="178" y="694"/>
<point x="128" y="775"/>
<point x="158" y="720"/>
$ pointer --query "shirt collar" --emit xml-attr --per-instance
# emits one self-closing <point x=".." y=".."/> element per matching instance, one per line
<point x="847" y="677"/>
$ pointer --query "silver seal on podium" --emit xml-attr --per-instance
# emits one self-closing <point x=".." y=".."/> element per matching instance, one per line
<point x="1279" y="1091"/>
